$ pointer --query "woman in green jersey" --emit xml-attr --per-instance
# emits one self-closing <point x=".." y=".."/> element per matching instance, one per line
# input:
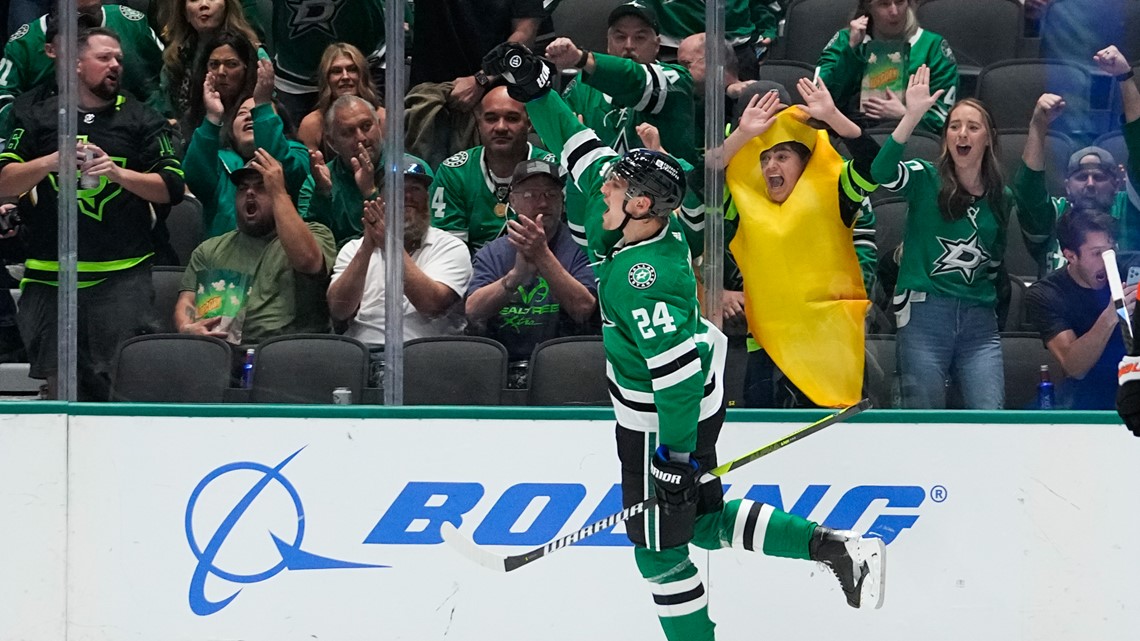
<point x="866" y="65"/>
<point x="953" y="245"/>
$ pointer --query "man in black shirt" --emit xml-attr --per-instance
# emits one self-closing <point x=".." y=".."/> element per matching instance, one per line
<point x="127" y="163"/>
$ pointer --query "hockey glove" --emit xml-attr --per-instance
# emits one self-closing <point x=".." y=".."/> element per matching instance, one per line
<point x="1128" y="395"/>
<point x="675" y="482"/>
<point x="527" y="75"/>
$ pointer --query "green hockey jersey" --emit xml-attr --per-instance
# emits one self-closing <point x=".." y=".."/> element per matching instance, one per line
<point x="464" y="201"/>
<point x="664" y="361"/>
<point x="302" y="29"/>
<point x="680" y="19"/>
<point x="960" y="258"/>
<point x="25" y="65"/>
<point x="842" y="69"/>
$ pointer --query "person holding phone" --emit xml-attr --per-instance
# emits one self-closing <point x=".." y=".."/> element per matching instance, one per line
<point x="1072" y="309"/>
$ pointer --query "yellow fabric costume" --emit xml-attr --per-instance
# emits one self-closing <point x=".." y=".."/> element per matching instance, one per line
<point x="803" y="289"/>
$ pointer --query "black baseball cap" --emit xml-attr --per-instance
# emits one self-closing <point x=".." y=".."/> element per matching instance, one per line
<point x="537" y="167"/>
<point x="237" y="175"/>
<point x="635" y="9"/>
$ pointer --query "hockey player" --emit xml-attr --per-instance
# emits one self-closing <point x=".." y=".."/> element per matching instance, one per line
<point x="665" y="366"/>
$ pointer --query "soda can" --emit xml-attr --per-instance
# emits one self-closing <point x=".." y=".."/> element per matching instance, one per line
<point x="342" y="396"/>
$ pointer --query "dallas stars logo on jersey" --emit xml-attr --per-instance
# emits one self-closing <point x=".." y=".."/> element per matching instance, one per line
<point x="309" y="15"/>
<point x="961" y="256"/>
<point x="642" y="275"/>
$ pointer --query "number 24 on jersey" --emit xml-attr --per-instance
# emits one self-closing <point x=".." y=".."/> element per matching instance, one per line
<point x="661" y="319"/>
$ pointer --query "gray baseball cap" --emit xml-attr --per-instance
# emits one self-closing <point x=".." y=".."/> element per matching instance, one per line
<point x="1104" y="160"/>
<point x="537" y="167"/>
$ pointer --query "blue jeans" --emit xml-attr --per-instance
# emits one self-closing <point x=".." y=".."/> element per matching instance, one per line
<point x="944" y="338"/>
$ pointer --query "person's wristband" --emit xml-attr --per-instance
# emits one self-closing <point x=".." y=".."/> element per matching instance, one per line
<point x="1124" y="77"/>
<point x="583" y="59"/>
<point x="481" y="79"/>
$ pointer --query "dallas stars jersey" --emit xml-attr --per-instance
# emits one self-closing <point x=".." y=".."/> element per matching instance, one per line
<point x="1029" y="187"/>
<point x="302" y="29"/>
<point x="680" y="19"/>
<point x="25" y="65"/>
<point x="115" y="225"/>
<point x="463" y="198"/>
<point x="842" y="68"/>
<point x="664" y="361"/>
<point x="960" y="258"/>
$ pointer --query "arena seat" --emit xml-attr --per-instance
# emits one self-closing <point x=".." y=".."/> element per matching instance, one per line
<point x="1113" y="142"/>
<point x="306" y="368"/>
<point x="787" y="73"/>
<point x="167" y="280"/>
<point x="980" y="32"/>
<point x="171" y="368"/>
<point x="879" y="370"/>
<point x="890" y="222"/>
<point x="584" y="22"/>
<point x="1023" y="354"/>
<point x="185" y="226"/>
<point x="1010" y="89"/>
<point x="809" y="26"/>
<point x="569" y="371"/>
<point x="454" y="370"/>
<point x="1058" y="146"/>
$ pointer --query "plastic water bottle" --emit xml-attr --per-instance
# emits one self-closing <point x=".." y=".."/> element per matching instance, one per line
<point x="247" y="369"/>
<point x="1046" y="399"/>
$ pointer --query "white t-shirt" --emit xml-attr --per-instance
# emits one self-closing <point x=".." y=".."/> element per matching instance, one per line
<point x="443" y="258"/>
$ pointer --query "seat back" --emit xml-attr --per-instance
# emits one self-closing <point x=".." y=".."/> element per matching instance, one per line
<point x="1010" y="90"/>
<point x="880" y="371"/>
<point x="1058" y="146"/>
<point x="1023" y="354"/>
<point x="185" y="227"/>
<point x="980" y="32"/>
<point x="167" y="281"/>
<point x="787" y="73"/>
<point x="171" y="368"/>
<point x="306" y="368"/>
<point x="890" y="223"/>
<point x="584" y="21"/>
<point x="454" y="370"/>
<point x="568" y="371"/>
<point x="809" y="25"/>
<point x="1113" y="143"/>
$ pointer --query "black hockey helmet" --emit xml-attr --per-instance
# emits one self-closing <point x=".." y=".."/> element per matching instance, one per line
<point x="655" y="175"/>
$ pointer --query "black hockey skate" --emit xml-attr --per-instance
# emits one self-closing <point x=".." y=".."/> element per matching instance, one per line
<point x="860" y="564"/>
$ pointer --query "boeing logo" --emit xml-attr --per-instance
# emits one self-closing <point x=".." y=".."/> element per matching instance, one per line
<point x="291" y="555"/>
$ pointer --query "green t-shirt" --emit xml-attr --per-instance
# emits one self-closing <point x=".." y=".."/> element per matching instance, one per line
<point x="249" y="279"/>
<point x="841" y="68"/>
<point x="464" y="200"/>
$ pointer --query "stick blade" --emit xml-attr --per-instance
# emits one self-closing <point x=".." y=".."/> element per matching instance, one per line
<point x="466" y="547"/>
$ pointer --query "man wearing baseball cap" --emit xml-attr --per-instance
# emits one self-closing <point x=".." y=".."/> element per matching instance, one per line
<point x="267" y="277"/>
<point x="1093" y="179"/>
<point x="534" y="283"/>
<point x="437" y="267"/>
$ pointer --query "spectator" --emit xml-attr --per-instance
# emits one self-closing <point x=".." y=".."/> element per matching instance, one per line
<point x="691" y="55"/>
<point x="534" y="284"/>
<point x="335" y="192"/>
<point x="749" y="26"/>
<point x="267" y="277"/>
<point x="343" y="72"/>
<point x="1094" y="179"/>
<point x="886" y="28"/>
<point x="1072" y="309"/>
<point x="186" y="32"/>
<point x="28" y="62"/>
<point x="953" y="245"/>
<point x="626" y="86"/>
<point x="437" y="268"/>
<point x="302" y="30"/>
<point x="232" y="61"/>
<point x="127" y="147"/>
<point x="450" y="37"/>
<point x="782" y="175"/>
<point x="214" y="152"/>
<point x="469" y="195"/>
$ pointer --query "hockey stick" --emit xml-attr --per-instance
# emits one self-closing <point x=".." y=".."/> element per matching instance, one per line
<point x="499" y="563"/>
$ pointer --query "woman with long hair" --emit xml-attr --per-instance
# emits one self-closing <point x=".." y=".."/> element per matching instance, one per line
<point x="231" y="59"/>
<point x="187" y="26"/>
<point x="343" y="72"/>
<point x="885" y="30"/>
<point x="953" y="246"/>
